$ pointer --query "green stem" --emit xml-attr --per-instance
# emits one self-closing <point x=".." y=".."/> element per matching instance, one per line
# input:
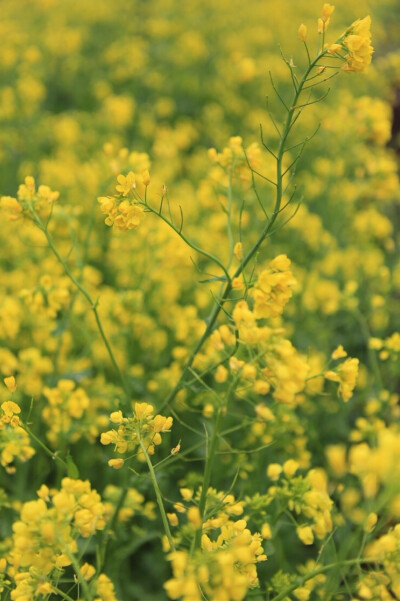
<point x="49" y="452"/>
<point x="201" y="251"/>
<point x="84" y="292"/>
<point x="302" y="580"/>
<point x="371" y="353"/>
<point x="61" y="593"/>
<point x="81" y="579"/>
<point x="207" y="475"/>
<point x="264" y="234"/>
<point x="109" y="528"/>
<point x="158" y="494"/>
<point x="85" y="253"/>
<point x="210" y="461"/>
<point x="229" y="216"/>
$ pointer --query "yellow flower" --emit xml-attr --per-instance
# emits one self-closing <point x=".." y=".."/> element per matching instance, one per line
<point x="238" y="251"/>
<point x="272" y="290"/>
<point x="370" y="522"/>
<point x="126" y="183"/>
<point x="87" y="571"/>
<point x="327" y="10"/>
<point x="9" y="408"/>
<point x="358" y="43"/>
<point x="173" y="519"/>
<point x="305" y="534"/>
<point x="146" y="177"/>
<point x="143" y="410"/>
<point x="302" y="32"/>
<point x="290" y="467"/>
<point x="116" y="463"/>
<point x="194" y="517"/>
<point x="339" y="353"/>
<point x="12" y="208"/>
<point x="348" y="372"/>
<point x="274" y="471"/>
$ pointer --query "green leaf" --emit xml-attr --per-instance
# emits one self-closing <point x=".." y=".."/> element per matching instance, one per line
<point x="72" y="469"/>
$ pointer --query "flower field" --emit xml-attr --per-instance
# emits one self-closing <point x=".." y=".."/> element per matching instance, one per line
<point x="199" y="300"/>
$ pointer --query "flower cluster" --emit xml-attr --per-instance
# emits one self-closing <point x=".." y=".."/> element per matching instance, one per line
<point x="346" y="374"/>
<point x="219" y="504"/>
<point x="378" y="464"/>
<point x="143" y="430"/>
<point x="40" y="200"/>
<point x="48" y="298"/>
<point x="134" y="504"/>
<point x="357" y="42"/>
<point x="388" y="347"/>
<point x="45" y="538"/>
<point x="14" y="441"/>
<point x="63" y="413"/>
<point x="125" y="211"/>
<point x="307" y="497"/>
<point x="273" y="288"/>
<point x="279" y="364"/>
<point x="223" y="570"/>
<point x="235" y="158"/>
<point x="382" y="583"/>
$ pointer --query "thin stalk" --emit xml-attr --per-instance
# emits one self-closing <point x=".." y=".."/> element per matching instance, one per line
<point x="192" y="245"/>
<point x="49" y="452"/>
<point x="210" y="461"/>
<point x="81" y="579"/>
<point x="207" y="476"/>
<point x="61" y="593"/>
<point x="79" y="278"/>
<point x="229" y="216"/>
<point x="302" y="580"/>
<point x="212" y="318"/>
<point x="85" y="293"/>
<point x="158" y="495"/>
<point x="373" y="361"/>
<point x="109" y="528"/>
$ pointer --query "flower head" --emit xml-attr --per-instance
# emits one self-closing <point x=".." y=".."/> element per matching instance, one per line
<point x="358" y="44"/>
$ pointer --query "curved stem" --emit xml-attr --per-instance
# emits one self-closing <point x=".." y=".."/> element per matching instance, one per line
<point x="50" y="453"/>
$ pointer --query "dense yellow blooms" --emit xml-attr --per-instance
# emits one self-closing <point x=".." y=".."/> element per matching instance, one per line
<point x="358" y="44"/>
<point x="346" y="374"/>
<point x="66" y="406"/>
<point x="29" y="199"/>
<point x="45" y="537"/>
<point x="272" y="289"/>
<point x="92" y="317"/>
<point x="223" y="570"/>
<point x="126" y="210"/>
<point x="144" y="428"/>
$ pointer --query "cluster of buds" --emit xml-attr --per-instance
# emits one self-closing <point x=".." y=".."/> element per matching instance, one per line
<point x="144" y="429"/>
<point x="355" y="42"/>
<point x="29" y="199"/>
<point x="125" y="210"/>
